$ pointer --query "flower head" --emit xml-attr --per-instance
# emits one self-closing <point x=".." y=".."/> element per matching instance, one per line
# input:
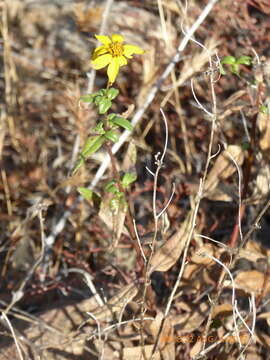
<point x="114" y="54"/>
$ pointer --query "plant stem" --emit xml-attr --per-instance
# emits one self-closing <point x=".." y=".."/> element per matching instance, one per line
<point x="129" y="222"/>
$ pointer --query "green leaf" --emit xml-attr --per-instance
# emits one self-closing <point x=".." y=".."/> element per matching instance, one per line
<point x="108" y="185"/>
<point x="112" y="135"/>
<point x="90" y="196"/>
<point x="104" y="105"/>
<point x="128" y="179"/>
<point x="78" y="164"/>
<point x="92" y="144"/>
<point x="98" y="99"/>
<point x="235" y="69"/>
<point x="230" y="60"/>
<point x="112" y="93"/>
<point x="99" y="128"/>
<point x="244" y="60"/>
<point x="111" y="116"/>
<point x="111" y="187"/>
<point x="264" y="110"/>
<point x="102" y="92"/>
<point x="87" y="194"/>
<point x="124" y="123"/>
<point x="87" y="98"/>
<point x="222" y="70"/>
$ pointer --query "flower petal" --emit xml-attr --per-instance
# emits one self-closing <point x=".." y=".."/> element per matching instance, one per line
<point x="101" y="61"/>
<point x="113" y="69"/>
<point x="103" y="39"/>
<point x="129" y="50"/>
<point x="122" y="60"/>
<point x="117" y="38"/>
<point x="99" y="51"/>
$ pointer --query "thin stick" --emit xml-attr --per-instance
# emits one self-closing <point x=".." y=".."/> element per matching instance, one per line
<point x="252" y="330"/>
<point x="159" y="163"/>
<point x="139" y="241"/>
<point x="4" y="316"/>
<point x="202" y="181"/>
<point x="90" y="284"/>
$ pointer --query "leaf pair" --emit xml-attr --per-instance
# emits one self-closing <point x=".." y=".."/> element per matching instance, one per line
<point x="92" y="145"/>
<point x="234" y="63"/>
<point x="102" y="99"/>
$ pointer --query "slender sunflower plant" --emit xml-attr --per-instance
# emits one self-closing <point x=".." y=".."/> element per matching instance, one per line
<point x="113" y="54"/>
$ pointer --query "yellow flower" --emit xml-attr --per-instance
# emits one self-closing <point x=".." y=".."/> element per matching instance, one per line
<point x="113" y="53"/>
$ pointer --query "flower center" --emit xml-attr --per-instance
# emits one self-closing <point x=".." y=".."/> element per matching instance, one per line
<point x="116" y="49"/>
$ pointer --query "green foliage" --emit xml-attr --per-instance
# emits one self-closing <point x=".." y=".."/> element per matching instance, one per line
<point x="115" y="119"/>
<point x="104" y="105"/>
<point x="244" y="60"/>
<point x="92" y="145"/>
<point x="234" y="63"/>
<point x="264" y="110"/>
<point x="118" y="196"/>
<point x="90" y="196"/>
<point x="87" y="98"/>
<point x="102" y="99"/>
<point x="99" y="128"/>
<point x="106" y="130"/>
<point x="128" y="179"/>
<point x="87" y="194"/>
<point x="111" y="187"/>
<point x="230" y="60"/>
<point x="112" y="93"/>
<point x="112" y="135"/>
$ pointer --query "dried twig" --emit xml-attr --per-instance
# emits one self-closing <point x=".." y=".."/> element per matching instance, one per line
<point x="202" y="181"/>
